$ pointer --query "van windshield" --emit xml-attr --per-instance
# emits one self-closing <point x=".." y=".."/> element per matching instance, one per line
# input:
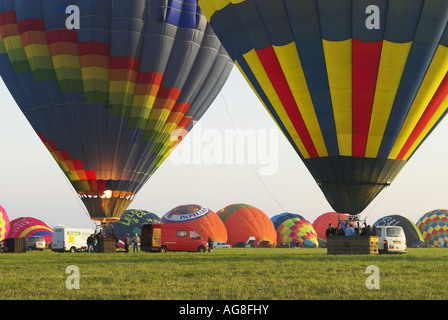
<point x="395" y="232"/>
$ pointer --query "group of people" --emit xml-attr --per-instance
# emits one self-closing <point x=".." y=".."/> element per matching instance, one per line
<point x="94" y="238"/>
<point x="349" y="231"/>
<point x="135" y="242"/>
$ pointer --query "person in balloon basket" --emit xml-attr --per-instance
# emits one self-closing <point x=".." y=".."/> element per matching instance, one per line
<point x="331" y="231"/>
<point x="135" y="242"/>
<point x="349" y="230"/>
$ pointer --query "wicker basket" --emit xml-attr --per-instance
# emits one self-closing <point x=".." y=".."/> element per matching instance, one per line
<point x="352" y="245"/>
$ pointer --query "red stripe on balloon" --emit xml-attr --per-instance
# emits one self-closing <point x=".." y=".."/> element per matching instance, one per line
<point x="432" y="107"/>
<point x="365" y="65"/>
<point x="275" y="73"/>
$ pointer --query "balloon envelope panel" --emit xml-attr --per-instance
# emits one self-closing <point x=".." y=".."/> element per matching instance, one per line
<point x="28" y="226"/>
<point x="132" y="220"/>
<point x="4" y="224"/>
<point x="243" y="221"/>
<point x="355" y="91"/>
<point x="202" y="219"/>
<point x="111" y="99"/>
<point x="434" y="227"/>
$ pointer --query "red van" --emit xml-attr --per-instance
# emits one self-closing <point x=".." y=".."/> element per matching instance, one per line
<point x="171" y="237"/>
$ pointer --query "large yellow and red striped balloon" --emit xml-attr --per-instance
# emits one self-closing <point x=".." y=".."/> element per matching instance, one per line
<point x="355" y="85"/>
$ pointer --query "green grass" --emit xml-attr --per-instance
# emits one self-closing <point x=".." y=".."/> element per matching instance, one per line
<point x="229" y="274"/>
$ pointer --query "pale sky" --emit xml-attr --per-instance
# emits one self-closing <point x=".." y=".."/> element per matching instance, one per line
<point x="32" y="184"/>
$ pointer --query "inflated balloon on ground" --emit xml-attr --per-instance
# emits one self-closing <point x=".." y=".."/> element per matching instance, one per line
<point x="202" y="219"/>
<point x="293" y="228"/>
<point x="132" y="220"/>
<point x="28" y="226"/>
<point x="434" y="227"/>
<point x="4" y="224"/>
<point x="243" y="221"/>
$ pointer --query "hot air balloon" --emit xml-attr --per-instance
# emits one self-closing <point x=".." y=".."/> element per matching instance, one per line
<point x="355" y="85"/>
<point x="4" y="224"/>
<point x="294" y="228"/>
<point x="202" y="219"/>
<point x="131" y="222"/>
<point x="243" y="221"/>
<point x="414" y="237"/>
<point x="112" y="93"/>
<point x="28" y="226"/>
<point x="321" y="223"/>
<point x="434" y="227"/>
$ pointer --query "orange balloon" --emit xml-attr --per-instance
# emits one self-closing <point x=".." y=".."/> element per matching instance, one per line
<point x="243" y="221"/>
<point x="202" y="219"/>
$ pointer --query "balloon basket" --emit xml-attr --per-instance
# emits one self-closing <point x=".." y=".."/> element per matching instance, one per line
<point x="352" y="245"/>
<point x="106" y="246"/>
<point x="107" y="239"/>
<point x="14" y="245"/>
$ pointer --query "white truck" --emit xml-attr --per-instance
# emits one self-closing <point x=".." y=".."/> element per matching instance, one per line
<point x="70" y="239"/>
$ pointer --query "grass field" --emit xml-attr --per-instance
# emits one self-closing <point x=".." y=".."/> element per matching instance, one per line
<point x="224" y="274"/>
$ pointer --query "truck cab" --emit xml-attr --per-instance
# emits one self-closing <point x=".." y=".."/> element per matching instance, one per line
<point x="171" y="237"/>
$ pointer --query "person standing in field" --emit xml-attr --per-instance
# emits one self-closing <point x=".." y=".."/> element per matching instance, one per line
<point x="135" y="241"/>
<point x="210" y="244"/>
<point x="126" y="243"/>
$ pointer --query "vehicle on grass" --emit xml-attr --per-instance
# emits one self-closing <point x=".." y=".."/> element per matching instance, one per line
<point x="391" y="239"/>
<point x="171" y="237"/>
<point x="251" y="243"/>
<point x="70" y="239"/>
<point x="35" y="243"/>
<point x="220" y="244"/>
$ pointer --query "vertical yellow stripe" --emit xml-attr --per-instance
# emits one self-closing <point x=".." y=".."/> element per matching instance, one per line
<point x="265" y="83"/>
<point x="433" y="78"/>
<point x="338" y="57"/>
<point x="392" y="64"/>
<point x="293" y="71"/>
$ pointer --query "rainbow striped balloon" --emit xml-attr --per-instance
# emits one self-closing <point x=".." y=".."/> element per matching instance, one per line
<point x="27" y="227"/>
<point x="111" y="99"/>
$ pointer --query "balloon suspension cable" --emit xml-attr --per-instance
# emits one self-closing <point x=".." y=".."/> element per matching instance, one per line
<point x="78" y="200"/>
<point x="105" y="228"/>
<point x="247" y="156"/>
